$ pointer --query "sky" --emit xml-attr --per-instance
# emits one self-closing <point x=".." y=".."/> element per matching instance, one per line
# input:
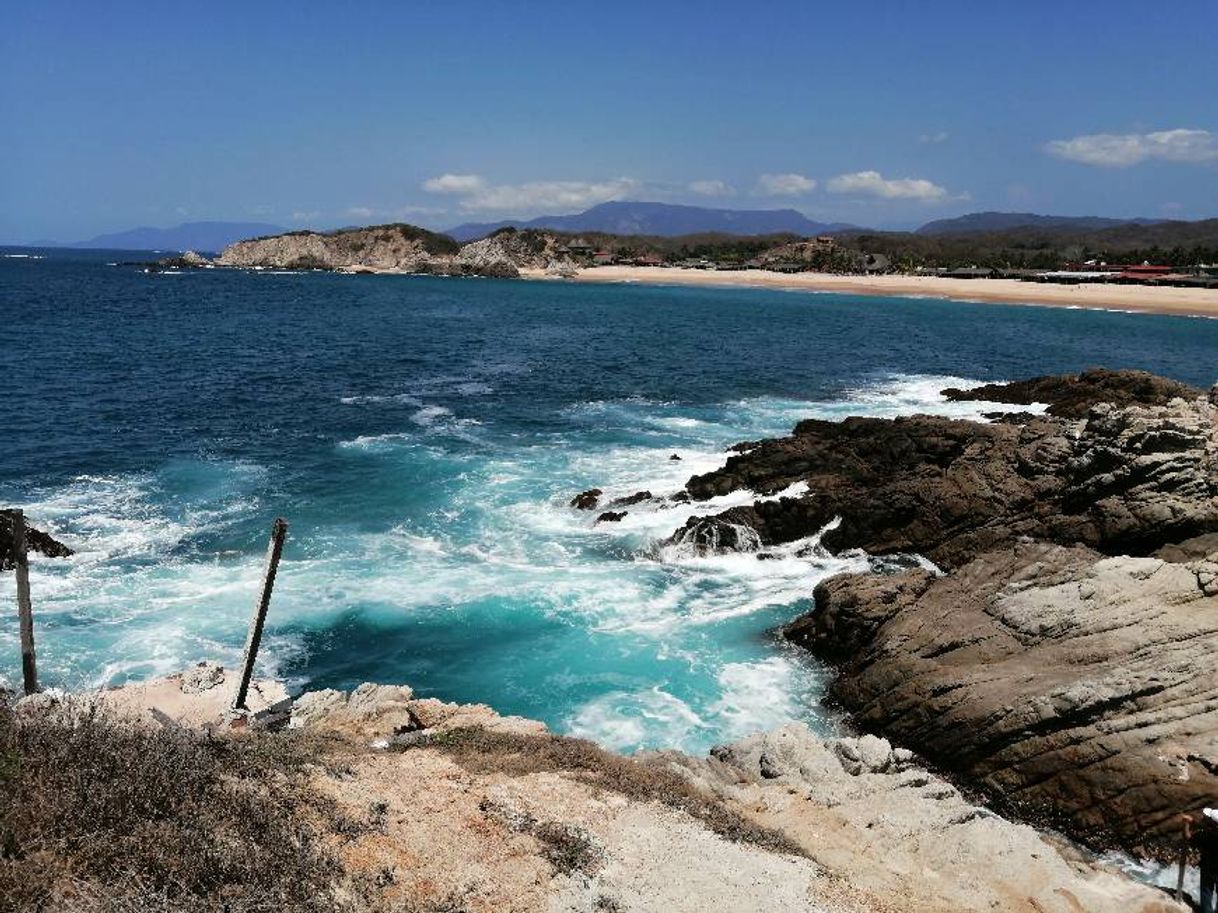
<point x="885" y="114"/>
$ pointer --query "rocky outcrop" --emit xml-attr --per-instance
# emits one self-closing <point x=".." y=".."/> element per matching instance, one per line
<point x="1076" y="689"/>
<point x="397" y="248"/>
<point x="1072" y="396"/>
<point x="35" y="541"/>
<point x="451" y="806"/>
<point x="1121" y="479"/>
<point x="380" y="248"/>
<point x="1064" y="663"/>
<point x="874" y="815"/>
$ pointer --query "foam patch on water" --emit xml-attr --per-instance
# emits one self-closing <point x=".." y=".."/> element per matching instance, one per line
<point x="668" y="647"/>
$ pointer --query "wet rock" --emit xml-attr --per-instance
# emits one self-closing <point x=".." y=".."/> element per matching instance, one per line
<point x="1122" y="479"/>
<point x="1072" y="396"/>
<point x="715" y="535"/>
<point x="637" y="498"/>
<point x="35" y="541"/>
<point x="587" y="500"/>
<point x="611" y="516"/>
<point x="675" y="458"/>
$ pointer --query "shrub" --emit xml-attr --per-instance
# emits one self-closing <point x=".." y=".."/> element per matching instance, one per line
<point x="99" y="814"/>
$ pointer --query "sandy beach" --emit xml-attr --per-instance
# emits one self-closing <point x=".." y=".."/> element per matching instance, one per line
<point x="1148" y="299"/>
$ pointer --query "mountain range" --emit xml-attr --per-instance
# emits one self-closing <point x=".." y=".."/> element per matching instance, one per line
<point x="1005" y="221"/>
<point x="664" y="220"/>
<point x="205" y="237"/>
<point x="648" y="219"/>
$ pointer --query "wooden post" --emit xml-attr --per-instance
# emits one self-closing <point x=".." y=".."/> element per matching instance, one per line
<point x="1183" y="860"/>
<point x="279" y="531"/>
<point x="25" y="610"/>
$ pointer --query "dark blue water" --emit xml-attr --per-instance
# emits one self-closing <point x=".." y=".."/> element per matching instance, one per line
<point x="423" y="436"/>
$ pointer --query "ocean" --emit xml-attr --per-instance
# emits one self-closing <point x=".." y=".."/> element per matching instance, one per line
<point x="423" y="436"/>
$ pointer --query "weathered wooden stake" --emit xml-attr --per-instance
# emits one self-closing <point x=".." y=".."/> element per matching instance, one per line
<point x="25" y="610"/>
<point x="279" y="531"/>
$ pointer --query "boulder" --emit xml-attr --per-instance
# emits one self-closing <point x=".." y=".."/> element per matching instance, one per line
<point x="202" y="677"/>
<point x="587" y="500"/>
<point x="1077" y="690"/>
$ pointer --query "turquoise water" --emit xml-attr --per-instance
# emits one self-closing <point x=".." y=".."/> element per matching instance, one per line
<point x="423" y="436"/>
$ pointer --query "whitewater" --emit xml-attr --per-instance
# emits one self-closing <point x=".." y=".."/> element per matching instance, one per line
<point x="423" y="438"/>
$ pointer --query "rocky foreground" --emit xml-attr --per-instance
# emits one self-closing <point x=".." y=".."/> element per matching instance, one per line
<point x="418" y="805"/>
<point x="1064" y="663"/>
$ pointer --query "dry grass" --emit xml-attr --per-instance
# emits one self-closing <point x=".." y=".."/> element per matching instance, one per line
<point x="100" y="815"/>
<point x="483" y="751"/>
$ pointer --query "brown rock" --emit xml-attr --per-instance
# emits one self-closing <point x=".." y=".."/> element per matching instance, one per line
<point x="1076" y="690"/>
<point x="1128" y="479"/>
<point x="1072" y="396"/>
<point x="587" y="500"/>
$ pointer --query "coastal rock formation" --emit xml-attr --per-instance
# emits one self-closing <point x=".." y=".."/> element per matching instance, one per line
<point x="399" y="248"/>
<point x="35" y="541"/>
<point x="380" y="248"/>
<point x="1071" y="396"/>
<point x="449" y="806"/>
<point x="1121" y="479"/>
<point x="873" y="814"/>
<point x="1076" y="689"/>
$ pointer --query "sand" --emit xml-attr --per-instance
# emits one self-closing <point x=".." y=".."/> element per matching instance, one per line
<point x="1139" y="298"/>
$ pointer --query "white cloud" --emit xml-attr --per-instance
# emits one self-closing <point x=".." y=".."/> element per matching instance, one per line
<point x="478" y="195"/>
<point x="1120" y="150"/>
<point x="454" y="183"/>
<point x="784" y="185"/>
<point x="301" y="215"/>
<point x="712" y="189"/>
<point x="874" y="184"/>
<point x="941" y="136"/>
<point x="359" y="212"/>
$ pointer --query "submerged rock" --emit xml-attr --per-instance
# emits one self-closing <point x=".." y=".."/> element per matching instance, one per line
<point x="629" y="500"/>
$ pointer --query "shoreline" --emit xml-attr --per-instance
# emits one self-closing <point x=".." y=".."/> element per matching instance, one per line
<point x="1168" y="300"/>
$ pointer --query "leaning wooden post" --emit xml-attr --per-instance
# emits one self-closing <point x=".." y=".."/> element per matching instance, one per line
<point x="279" y="531"/>
<point x="25" y="610"/>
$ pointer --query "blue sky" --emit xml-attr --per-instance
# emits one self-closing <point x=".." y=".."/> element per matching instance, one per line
<point x="121" y="114"/>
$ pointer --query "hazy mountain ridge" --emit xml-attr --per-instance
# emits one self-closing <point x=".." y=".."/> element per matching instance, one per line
<point x="201" y="236"/>
<point x="662" y="219"/>
<point x="992" y="221"/>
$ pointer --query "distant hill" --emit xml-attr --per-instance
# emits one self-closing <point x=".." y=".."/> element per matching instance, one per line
<point x="201" y="236"/>
<point x="1006" y="221"/>
<point x="663" y="220"/>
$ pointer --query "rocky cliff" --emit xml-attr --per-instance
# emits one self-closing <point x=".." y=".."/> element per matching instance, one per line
<point x="1064" y="663"/>
<point x="379" y="248"/>
<point x="399" y="249"/>
<point x="409" y="803"/>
